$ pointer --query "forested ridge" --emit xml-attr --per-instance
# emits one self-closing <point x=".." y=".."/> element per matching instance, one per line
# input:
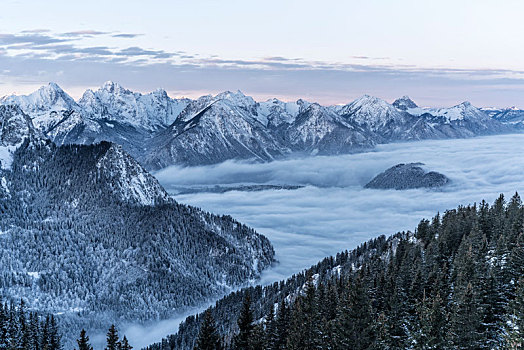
<point x="456" y="282"/>
<point x="77" y="240"/>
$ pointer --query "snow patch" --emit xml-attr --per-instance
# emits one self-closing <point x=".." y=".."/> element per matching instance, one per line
<point x="35" y="275"/>
<point x="6" y="158"/>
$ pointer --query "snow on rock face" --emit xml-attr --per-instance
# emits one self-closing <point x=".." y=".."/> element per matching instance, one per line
<point x="237" y="99"/>
<point x="320" y="130"/>
<point x="465" y="110"/>
<point x="128" y="179"/>
<point x="114" y="102"/>
<point x="511" y="116"/>
<point x="46" y="98"/>
<point x="275" y="113"/>
<point x="404" y="103"/>
<point x="44" y="105"/>
<point x="370" y="110"/>
<point x="212" y="130"/>
<point x="15" y="127"/>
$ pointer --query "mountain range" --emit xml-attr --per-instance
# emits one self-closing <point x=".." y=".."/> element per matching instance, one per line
<point x="160" y="131"/>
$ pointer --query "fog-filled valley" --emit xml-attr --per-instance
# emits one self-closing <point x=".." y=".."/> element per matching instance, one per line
<point x="333" y="212"/>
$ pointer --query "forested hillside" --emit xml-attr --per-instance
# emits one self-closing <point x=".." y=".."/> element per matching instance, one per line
<point x="86" y="233"/>
<point x="456" y="282"/>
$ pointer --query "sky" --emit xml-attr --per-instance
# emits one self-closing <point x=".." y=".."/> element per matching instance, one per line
<point x="438" y="52"/>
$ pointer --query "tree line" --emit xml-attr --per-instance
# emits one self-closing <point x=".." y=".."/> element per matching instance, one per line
<point x="456" y="282"/>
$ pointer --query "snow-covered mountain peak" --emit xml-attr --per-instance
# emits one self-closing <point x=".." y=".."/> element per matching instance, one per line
<point x="160" y="93"/>
<point x="315" y="107"/>
<point x="115" y="103"/>
<point x="237" y="98"/>
<point x="49" y="97"/>
<point x="52" y="94"/>
<point x="370" y="103"/>
<point x="45" y="106"/>
<point x="404" y="103"/>
<point x="114" y="88"/>
<point x="464" y="110"/>
<point x="275" y="112"/>
<point x="370" y="110"/>
<point x="131" y="182"/>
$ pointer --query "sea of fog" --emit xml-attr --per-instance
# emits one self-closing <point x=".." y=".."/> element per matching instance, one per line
<point x="333" y="212"/>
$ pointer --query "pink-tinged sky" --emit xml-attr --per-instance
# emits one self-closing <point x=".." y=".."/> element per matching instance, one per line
<point x="438" y="52"/>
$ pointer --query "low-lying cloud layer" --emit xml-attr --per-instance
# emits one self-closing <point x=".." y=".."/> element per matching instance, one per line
<point x="334" y="212"/>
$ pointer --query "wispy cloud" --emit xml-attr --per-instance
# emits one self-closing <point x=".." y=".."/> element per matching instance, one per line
<point x="36" y="31"/>
<point x="126" y="35"/>
<point x="36" y="55"/>
<point x="30" y="38"/>
<point x="86" y="32"/>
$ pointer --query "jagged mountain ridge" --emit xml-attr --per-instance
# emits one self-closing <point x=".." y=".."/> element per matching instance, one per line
<point x="512" y="115"/>
<point x="160" y="131"/>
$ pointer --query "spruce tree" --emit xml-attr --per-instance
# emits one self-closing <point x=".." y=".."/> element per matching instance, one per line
<point x="257" y="339"/>
<point x="466" y="321"/>
<point x="83" y="341"/>
<point x="208" y="338"/>
<point x="112" y="339"/>
<point x="282" y="325"/>
<point x="305" y="332"/>
<point x="124" y="344"/>
<point x="271" y="335"/>
<point x="515" y="331"/>
<point x="54" y="335"/>
<point x="354" y="324"/>
<point x="245" y="325"/>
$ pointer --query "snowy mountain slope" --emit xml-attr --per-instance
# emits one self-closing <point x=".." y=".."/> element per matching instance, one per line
<point x="211" y="130"/>
<point x="464" y="110"/>
<point x="128" y="179"/>
<point x="462" y="120"/>
<point x="44" y="106"/>
<point x="275" y="113"/>
<point x="319" y="130"/>
<point x="115" y="103"/>
<point x="510" y="116"/>
<point x="383" y="119"/>
<point x="371" y="111"/>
